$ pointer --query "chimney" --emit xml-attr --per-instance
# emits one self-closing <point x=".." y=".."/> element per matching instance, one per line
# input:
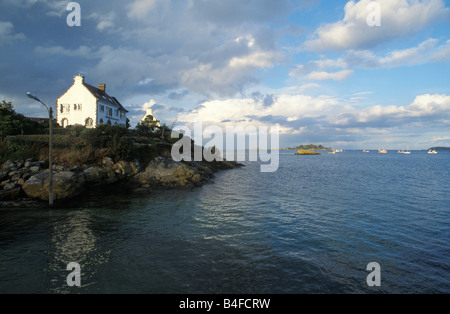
<point x="102" y="87"/>
<point x="78" y="78"/>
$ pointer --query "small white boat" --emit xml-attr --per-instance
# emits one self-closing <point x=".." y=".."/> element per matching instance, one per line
<point x="366" y="151"/>
<point x="432" y="151"/>
<point x="406" y="152"/>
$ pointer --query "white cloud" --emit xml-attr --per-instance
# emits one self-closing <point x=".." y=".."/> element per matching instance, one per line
<point x="302" y="113"/>
<point x="322" y="75"/>
<point x="441" y="139"/>
<point x="7" y="35"/>
<point x="82" y="51"/>
<point x="428" y="51"/>
<point x="398" y="18"/>
<point x="425" y="106"/>
<point x="442" y="53"/>
<point x="139" y="9"/>
<point x="104" y="21"/>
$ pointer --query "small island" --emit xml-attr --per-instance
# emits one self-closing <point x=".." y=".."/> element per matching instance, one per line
<point x="306" y="152"/>
<point x="310" y="147"/>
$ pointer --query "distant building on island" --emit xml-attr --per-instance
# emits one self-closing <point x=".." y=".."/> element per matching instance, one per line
<point x="89" y="106"/>
<point x="150" y="120"/>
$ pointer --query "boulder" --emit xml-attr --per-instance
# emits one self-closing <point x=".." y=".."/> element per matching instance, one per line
<point x="9" y="195"/>
<point x="122" y="168"/>
<point x="165" y="173"/>
<point x="66" y="184"/>
<point x="9" y="186"/>
<point x="7" y="165"/>
<point x="3" y="175"/>
<point x="35" y="168"/>
<point x="93" y="175"/>
<point x="108" y="162"/>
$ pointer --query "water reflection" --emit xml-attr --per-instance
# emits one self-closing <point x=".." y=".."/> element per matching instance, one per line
<point x="73" y="240"/>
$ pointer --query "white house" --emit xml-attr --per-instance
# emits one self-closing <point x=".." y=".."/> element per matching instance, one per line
<point x="89" y="106"/>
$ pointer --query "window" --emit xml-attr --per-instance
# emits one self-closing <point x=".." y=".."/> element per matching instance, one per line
<point x="117" y="113"/>
<point x="109" y="112"/>
<point x="65" y="108"/>
<point x="101" y="121"/>
<point x="77" y="107"/>
<point x="102" y="108"/>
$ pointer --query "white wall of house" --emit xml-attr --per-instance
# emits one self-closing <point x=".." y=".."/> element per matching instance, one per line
<point x="78" y="104"/>
<point x="77" y="94"/>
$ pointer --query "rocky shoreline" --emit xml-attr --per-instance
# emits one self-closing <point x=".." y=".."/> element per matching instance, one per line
<point x="26" y="183"/>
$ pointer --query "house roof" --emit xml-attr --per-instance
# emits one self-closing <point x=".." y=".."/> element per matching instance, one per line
<point x="102" y="95"/>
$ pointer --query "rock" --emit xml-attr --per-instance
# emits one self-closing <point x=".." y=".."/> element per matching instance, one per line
<point x="75" y="169"/>
<point x="7" y="165"/>
<point x="107" y="162"/>
<point x="93" y="175"/>
<point x="10" y="195"/>
<point x="122" y="168"/>
<point x="9" y="186"/>
<point x="165" y="173"/>
<point x="13" y="173"/>
<point x="135" y="167"/>
<point x="3" y="175"/>
<point x="66" y="184"/>
<point x="28" y="179"/>
<point x="109" y="176"/>
<point x="35" y="168"/>
<point x="58" y="168"/>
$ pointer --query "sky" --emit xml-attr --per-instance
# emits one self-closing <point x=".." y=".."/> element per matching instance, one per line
<point x="346" y="74"/>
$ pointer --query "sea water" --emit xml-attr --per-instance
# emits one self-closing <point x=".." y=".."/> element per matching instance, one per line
<point x="312" y="226"/>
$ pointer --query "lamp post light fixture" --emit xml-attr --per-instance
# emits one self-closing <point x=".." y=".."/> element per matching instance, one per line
<point x="50" y="144"/>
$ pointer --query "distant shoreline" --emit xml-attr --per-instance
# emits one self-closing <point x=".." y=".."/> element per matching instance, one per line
<point x="441" y="148"/>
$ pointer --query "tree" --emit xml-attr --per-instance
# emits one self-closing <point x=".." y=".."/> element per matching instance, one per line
<point x="13" y="123"/>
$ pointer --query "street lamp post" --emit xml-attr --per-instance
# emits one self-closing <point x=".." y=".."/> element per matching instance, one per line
<point x="50" y="144"/>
